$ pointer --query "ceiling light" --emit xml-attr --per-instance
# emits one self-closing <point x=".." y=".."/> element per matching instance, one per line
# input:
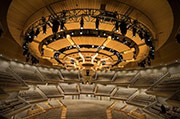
<point x="44" y="27"/>
<point x="45" y="57"/>
<point x="62" y="25"/>
<point x="81" y="32"/>
<point x="123" y="27"/>
<point x="56" y="55"/>
<point x="90" y="56"/>
<point x="97" y="23"/>
<point x="72" y="33"/>
<point x="31" y="36"/>
<point x="55" y="26"/>
<point x="34" y="60"/>
<point x="81" y="23"/>
<point x="69" y="39"/>
<point x="141" y="35"/>
<point x="134" y="30"/>
<point x="98" y="33"/>
<point x="37" y="32"/>
<point x="117" y="26"/>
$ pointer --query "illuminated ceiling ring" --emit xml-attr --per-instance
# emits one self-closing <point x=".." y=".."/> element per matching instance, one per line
<point x="89" y="32"/>
<point x="98" y="16"/>
<point x="75" y="15"/>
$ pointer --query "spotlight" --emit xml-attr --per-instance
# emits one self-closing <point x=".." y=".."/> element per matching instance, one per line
<point x="44" y="27"/>
<point x="151" y="54"/>
<point x="146" y="35"/>
<point x="81" y="23"/>
<point x="134" y="30"/>
<point x="141" y="35"/>
<point x="112" y="36"/>
<point x="72" y="33"/>
<point x="34" y="60"/>
<point x="56" y="55"/>
<point x="54" y="37"/>
<point x="42" y="51"/>
<point x="149" y="61"/>
<point x="97" y="23"/>
<point x="30" y="36"/>
<point x="81" y="32"/>
<point x="37" y="32"/>
<point x="117" y="26"/>
<point x="123" y="27"/>
<point x="142" y="64"/>
<point x="25" y="52"/>
<point x="62" y="25"/>
<point x="28" y="57"/>
<point x="55" y="26"/>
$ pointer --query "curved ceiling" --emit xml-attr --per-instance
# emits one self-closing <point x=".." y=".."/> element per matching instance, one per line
<point x="24" y="15"/>
<point x="26" y="89"/>
<point x="157" y="15"/>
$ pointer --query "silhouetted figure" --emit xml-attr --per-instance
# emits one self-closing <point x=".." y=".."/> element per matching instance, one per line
<point x="163" y="109"/>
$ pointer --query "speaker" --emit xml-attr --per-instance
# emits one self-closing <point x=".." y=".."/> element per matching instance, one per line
<point x="178" y="38"/>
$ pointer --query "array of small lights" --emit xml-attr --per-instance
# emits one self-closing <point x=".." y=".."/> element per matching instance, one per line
<point x="121" y="25"/>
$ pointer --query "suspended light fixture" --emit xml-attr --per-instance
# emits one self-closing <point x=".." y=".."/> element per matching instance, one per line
<point x="62" y="25"/>
<point x="37" y="32"/>
<point x="117" y="26"/>
<point x="34" y="60"/>
<point x="44" y="27"/>
<point x="97" y="23"/>
<point x="140" y="33"/>
<point x="118" y="23"/>
<point x="81" y="23"/>
<point x="30" y="36"/>
<point x="123" y="27"/>
<point x="134" y="29"/>
<point x="55" y="26"/>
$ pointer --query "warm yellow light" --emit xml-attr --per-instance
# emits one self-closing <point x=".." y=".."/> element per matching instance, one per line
<point x="93" y="57"/>
<point x="129" y="51"/>
<point x="81" y="57"/>
<point x="69" y="39"/>
<point x="55" y="64"/>
<point x="45" y="57"/>
<point x="121" y="66"/>
<point x="47" y="48"/>
<point x="107" y="41"/>
<point x="130" y="60"/>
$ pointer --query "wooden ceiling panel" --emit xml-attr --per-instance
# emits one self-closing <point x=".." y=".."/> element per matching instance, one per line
<point x="59" y="44"/>
<point x="89" y="40"/>
<point x="117" y="46"/>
